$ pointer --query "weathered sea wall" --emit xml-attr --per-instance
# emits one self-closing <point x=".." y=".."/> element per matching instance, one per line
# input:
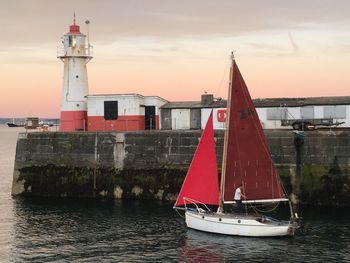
<point x="152" y="164"/>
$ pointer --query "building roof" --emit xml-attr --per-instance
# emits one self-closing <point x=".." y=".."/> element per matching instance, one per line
<point x="194" y="105"/>
<point x="299" y="102"/>
<point x="123" y="95"/>
<point x="264" y="103"/>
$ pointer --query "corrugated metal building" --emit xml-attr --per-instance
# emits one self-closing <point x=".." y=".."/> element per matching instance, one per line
<point x="191" y="114"/>
<point x="123" y="112"/>
<point x="194" y="114"/>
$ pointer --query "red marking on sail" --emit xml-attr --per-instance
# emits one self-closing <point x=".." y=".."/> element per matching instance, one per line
<point x="248" y="158"/>
<point x="201" y="182"/>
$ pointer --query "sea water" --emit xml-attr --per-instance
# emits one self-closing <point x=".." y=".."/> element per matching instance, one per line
<point x="68" y="230"/>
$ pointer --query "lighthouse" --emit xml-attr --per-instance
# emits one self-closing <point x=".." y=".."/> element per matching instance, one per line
<point x="76" y="53"/>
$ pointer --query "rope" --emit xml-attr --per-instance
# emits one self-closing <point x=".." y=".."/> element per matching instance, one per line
<point x="179" y="213"/>
<point x="223" y="76"/>
<point x="256" y="209"/>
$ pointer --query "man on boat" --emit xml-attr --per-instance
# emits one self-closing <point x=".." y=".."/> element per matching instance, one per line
<point x="238" y="198"/>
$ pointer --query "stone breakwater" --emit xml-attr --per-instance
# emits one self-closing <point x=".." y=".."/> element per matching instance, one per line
<point x="153" y="164"/>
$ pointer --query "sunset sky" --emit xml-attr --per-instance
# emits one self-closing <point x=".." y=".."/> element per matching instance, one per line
<point x="175" y="49"/>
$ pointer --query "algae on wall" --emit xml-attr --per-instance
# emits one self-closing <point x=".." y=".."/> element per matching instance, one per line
<point x="152" y="164"/>
<point x="320" y="185"/>
<point x="51" y="181"/>
<point x="325" y="185"/>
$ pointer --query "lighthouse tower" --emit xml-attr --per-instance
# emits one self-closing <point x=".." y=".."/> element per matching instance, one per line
<point x="76" y="53"/>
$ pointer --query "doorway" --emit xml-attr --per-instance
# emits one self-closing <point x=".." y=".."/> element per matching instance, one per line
<point x="150" y="117"/>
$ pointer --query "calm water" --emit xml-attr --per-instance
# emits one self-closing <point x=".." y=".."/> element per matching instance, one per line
<point x="55" y="230"/>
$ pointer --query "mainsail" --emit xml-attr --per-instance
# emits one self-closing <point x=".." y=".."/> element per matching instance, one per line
<point x="201" y="182"/>
<point x="247" y="156"/>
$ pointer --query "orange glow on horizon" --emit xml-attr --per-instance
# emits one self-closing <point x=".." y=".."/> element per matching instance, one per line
<point x="174" y="52"/>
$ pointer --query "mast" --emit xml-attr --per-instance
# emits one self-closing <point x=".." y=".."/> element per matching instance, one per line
<point x="224" y="153"/>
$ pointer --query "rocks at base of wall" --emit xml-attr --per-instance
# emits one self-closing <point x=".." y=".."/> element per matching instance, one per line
<point x="81" y="182"/>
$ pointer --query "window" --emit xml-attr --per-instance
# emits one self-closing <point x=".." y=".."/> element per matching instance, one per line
<point x="111" y="110"/>
<point x="72" y="41"/>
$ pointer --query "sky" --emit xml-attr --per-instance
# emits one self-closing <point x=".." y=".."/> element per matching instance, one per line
<point x="174" y="49"/>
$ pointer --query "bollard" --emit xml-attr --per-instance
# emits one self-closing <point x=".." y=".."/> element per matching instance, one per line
<point x="299" y="137"/>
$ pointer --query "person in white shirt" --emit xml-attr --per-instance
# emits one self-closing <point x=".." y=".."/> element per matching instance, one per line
<point x="238" y="198"/>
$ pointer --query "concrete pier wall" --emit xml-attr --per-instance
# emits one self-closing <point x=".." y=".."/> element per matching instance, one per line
<point x="152" y="164"/>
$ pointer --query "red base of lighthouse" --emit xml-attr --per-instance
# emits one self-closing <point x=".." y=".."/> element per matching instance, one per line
<point x="73" y="121"/>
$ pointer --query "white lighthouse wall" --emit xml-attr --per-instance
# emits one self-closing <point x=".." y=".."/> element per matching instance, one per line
<point x="75" y="85"/>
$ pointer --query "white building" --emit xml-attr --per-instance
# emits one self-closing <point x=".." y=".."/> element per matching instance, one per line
<point x="123" y="112"/>
<point x="292" y="111"/>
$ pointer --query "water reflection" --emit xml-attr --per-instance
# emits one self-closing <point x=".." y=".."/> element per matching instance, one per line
<point x="95" y="230"/>
<point x="134" y="231"/>
<point x="201" y="246"/>
<point x="325" y="238"/>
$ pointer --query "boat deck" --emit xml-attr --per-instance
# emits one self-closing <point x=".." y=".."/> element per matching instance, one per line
<point x="260" y="218"/>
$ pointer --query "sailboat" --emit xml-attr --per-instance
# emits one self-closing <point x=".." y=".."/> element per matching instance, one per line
<point x="246" y="161"/>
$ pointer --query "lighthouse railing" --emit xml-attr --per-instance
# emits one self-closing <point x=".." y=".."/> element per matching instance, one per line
<point x="87" y="52"/>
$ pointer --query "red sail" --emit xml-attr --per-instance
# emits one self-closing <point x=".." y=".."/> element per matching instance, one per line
<point x="248" y="158"/>
<point x="201" y="182"/>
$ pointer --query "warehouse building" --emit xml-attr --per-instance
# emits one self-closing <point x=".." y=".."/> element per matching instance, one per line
<point x="276" y="113"/>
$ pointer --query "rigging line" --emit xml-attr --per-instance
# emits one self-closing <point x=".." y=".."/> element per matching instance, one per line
<point x="266" y="211"/>
<point x="256" y="209"/>
<point x="179" y="213"/>
<point x="222" y="78"/>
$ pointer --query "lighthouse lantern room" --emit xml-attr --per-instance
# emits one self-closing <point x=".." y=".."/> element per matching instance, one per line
<point x="76" y="53"/>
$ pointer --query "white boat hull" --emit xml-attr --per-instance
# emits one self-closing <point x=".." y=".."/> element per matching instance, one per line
<point x="237" y="225"/>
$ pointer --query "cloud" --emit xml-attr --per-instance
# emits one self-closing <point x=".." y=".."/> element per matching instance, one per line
<point x="294" y="45"/>
<point x="345" y="47"/>
<point x="40" y="21"/>
<point x="266" y="46"/>
<point x="161" y="49"/>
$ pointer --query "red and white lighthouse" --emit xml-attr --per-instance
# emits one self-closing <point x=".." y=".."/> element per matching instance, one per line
<point x="76" y="53"/>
